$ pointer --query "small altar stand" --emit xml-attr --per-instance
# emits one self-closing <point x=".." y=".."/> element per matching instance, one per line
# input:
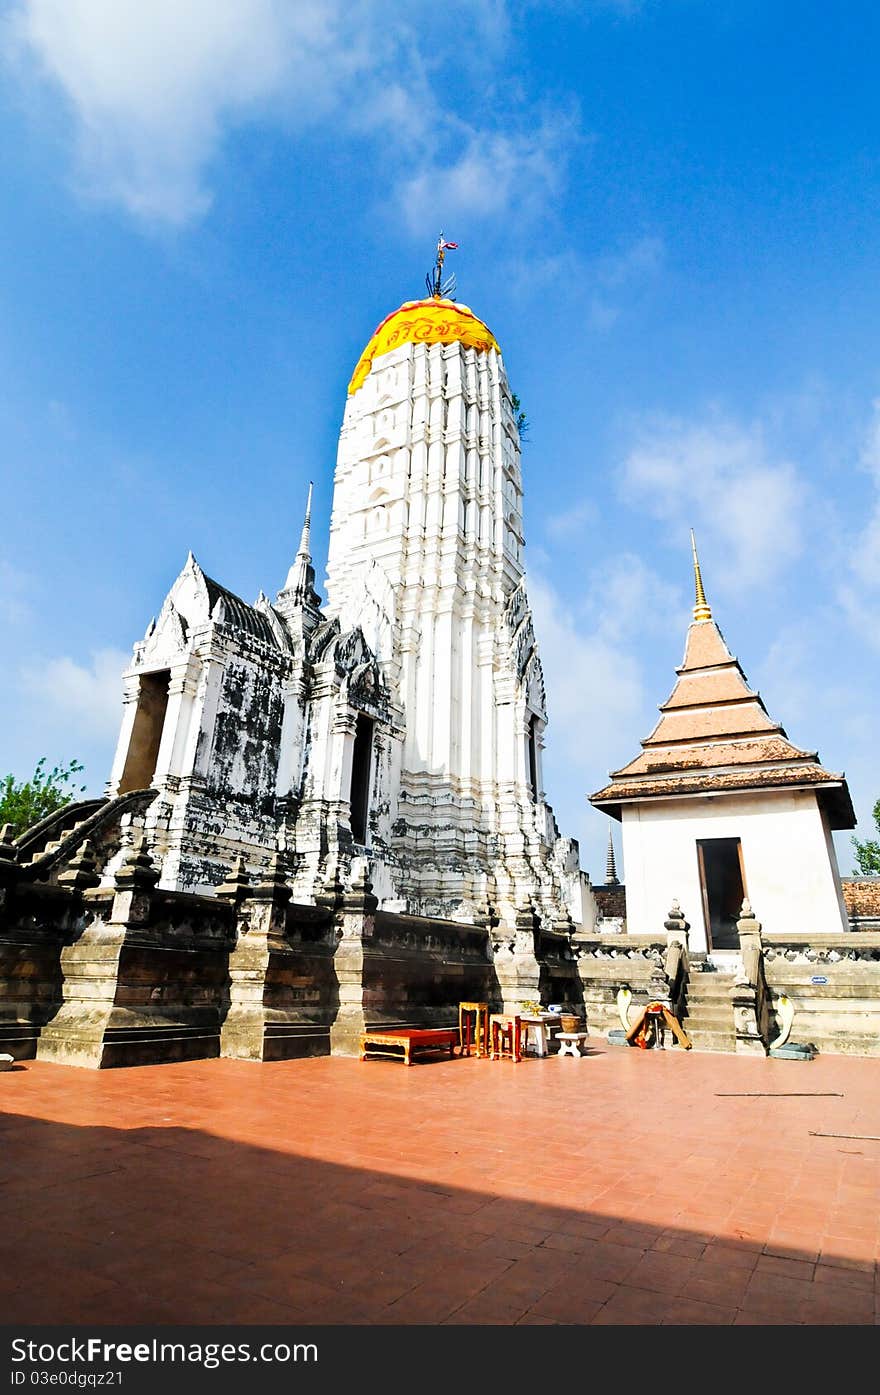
<point x="648" y="1028"/>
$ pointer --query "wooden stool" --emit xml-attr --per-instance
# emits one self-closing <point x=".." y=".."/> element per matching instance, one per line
<point x="479" y="1012"/>
<point x="504" y="1036"/>
<point x="570" y="1042"/>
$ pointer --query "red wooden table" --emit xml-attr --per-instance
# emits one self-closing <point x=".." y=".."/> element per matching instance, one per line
<point x="407" y="1040"/>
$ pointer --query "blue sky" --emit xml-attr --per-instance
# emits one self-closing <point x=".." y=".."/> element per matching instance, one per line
<point x="668" y="213"/>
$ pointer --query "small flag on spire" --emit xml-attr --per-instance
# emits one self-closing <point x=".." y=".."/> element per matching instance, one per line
<point x="446" y="246"/>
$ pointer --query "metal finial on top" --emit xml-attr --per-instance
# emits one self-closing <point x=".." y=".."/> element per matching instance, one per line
<point x="702" y="610"/>
<point x="437" y="287"/>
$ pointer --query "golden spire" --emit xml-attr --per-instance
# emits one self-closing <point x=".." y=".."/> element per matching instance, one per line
<point x="701" y="609"/>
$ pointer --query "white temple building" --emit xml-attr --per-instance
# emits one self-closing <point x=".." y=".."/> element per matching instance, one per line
<point x="400" y="725"/>
<point x="719" y="807"/>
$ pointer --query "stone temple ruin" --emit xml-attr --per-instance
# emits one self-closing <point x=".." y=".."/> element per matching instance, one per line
<point x="326" y="816"/>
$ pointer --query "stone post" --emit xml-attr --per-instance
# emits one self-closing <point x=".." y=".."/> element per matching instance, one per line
<point x="746" y="993"/>
<point x="261" y="916"/>
<point x="355" y="923"/>
<point x="134" y="883"/>
<point x="90" y="966"/>
<point x="675" y="962"/>
<point x="9" y="867"/>
<point x="516" y="961"/>
<point x="81" y="871"/>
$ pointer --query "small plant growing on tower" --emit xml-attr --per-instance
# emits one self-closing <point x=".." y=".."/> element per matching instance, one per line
<point x="519" y="416"/>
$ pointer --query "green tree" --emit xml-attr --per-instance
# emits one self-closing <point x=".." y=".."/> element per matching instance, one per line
<point x="868" y="853"/>
<point x="24" y="802"/>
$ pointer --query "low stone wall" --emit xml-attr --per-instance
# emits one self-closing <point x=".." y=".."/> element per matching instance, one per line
<point x="834" y="984"/>
<point x="417" y="971"/>
<point x="606" y="964"/>
<point x="110" y="977"/>
<point x="130" y="975"/>
<point x="34" y="927"/>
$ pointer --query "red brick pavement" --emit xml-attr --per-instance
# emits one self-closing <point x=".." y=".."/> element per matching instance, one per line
<point x="627" y="1187"/>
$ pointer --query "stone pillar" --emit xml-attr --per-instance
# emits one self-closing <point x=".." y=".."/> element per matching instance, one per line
<point x="516" y="961"/>
<point x="355" y="923"/>
<point x="90" y="966"/>
<point x="10" y="870"/>
<point x="261" y="931"/>
<point x="675" y="963"/>
<point x="746" y="993"/>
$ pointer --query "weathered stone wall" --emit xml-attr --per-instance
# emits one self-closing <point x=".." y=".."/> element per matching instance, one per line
<point x="35" y="923"/>
<point x="416" y="971"/>
<point x="834" y="985"/>
<point x="607" y="964"/>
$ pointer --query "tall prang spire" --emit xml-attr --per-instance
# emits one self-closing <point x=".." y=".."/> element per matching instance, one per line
<point x="301" y="577"/>
<point x="610" y="868"/>
<point x="702" y="610"/>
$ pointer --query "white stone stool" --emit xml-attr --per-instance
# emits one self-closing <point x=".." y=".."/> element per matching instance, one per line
<point x="570" y="1042"/>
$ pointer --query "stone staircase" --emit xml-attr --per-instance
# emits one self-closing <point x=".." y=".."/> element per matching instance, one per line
<point x="708" y="1018"/>
<point x="54" y="844"/>
<point x="54" y="839"/>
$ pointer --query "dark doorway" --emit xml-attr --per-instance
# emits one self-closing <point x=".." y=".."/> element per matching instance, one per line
<point x="533" y="757"/>
<point x="723" y="882"/>
<point x="146" y="734"/>
<point x="362" y="760"/>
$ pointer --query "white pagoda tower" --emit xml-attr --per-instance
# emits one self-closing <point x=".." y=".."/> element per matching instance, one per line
<point x="395" y="731"/>
<point x="426" y="558"/>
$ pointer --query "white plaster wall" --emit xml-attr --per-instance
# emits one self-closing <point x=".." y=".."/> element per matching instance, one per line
<point x="791" y="880"/>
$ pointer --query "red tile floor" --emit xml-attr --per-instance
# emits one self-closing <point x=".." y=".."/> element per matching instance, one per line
<point x="627" y="1187"/>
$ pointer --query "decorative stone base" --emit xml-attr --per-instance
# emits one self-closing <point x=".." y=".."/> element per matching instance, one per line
<point x="793" y="1051"/>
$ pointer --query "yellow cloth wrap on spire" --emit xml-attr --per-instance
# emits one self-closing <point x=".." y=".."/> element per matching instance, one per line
<point x="434" y="321"/>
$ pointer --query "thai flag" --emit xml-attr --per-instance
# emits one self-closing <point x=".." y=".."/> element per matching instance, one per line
<point x="447" y="246"/>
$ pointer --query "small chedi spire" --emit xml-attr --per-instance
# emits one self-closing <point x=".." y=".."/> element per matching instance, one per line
<point x="610" y="867"/>
<point x="702" y="610"/>
<point x="305" y="536"/>
<point x="301" y="577"/>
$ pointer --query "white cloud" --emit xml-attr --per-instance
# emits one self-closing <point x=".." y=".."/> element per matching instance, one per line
<point x="747" y="508"/>
<point x="83" y="700"/>
<point x="598" y="707"/>
<point x="154" y="88"/>
<point x="496" y="172"/>
<point x="149" y="86"/>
